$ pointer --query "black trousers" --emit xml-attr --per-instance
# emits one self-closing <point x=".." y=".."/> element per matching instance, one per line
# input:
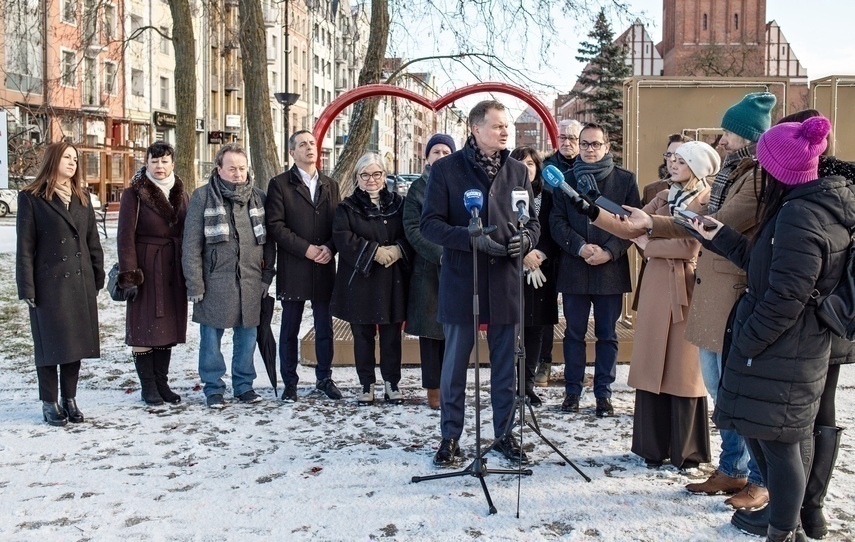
<point x="547" y="344"/>
<point x="390" y="352"/>
<point x="666" y="426"/>
<point x="826" y="415"/>
<point x="431" y="352"/>
<point x="67" y="381"/>
<point x="533" y="345"/>
<point x="784" y="467"/>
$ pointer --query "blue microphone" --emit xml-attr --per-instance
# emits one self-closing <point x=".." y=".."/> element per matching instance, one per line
<point x="474" y="201"/>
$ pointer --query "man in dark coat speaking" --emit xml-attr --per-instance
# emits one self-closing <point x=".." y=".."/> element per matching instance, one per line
<point x="483" y="164"/>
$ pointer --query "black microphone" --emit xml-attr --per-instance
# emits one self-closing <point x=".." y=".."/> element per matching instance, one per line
<point x="519" y="200"/>
<point x="555" y="178"/>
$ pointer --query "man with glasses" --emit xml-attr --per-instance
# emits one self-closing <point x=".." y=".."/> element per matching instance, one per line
<point x="593" y="268"/>
<point x="300" y="207"/>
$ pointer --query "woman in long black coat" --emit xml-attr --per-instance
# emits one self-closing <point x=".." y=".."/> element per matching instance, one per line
<point x="370" y="288"/>
<point x="776" y="365"/>
<point x="151" y="229"/>
<point x="541" y="298"/>
<point x="59" y="270"/>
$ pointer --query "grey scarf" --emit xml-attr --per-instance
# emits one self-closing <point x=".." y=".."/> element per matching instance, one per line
<point x="718" y="192"/>
<point x="680" y="196"/>
<point x="216" y="217"/>
<point x="490" y="164"/>
<point x="587" y="175"/>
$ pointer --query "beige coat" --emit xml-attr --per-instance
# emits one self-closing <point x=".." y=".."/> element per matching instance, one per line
<point x="662" y="360"/>
<point x="718" y="282"/>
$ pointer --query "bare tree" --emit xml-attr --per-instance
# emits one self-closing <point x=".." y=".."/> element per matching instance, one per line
<point x="259" y="123"/>
<point x="184" y="45"/>
<point x="717" y="60"/>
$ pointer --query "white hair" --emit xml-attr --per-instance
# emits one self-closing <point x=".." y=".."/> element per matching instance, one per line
<point x="368" y="159"/>
<point x="570" y="127"/>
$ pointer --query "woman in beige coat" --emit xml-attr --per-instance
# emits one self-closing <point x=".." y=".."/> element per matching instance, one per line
<point x="670" y="419"/>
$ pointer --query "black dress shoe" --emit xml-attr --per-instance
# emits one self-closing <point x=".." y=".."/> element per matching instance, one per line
<point x="653" y="463"/>
<point x="448" y="454"/>
<point x="604" y="407"/>
<point x="329" y="388"/>
<point x="751" y="521"/>
<point x="533" y="398"/>
<point x="570" y="404"/>
<point x="53" y="414"/>
<point x="71" y="410"/>
<point x="289" y="395"/>
<point x="508" y="447"/>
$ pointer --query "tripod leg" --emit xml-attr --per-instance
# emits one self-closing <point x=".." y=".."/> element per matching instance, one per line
<point x="487" y="494"/>
<point x="555" y="448"/>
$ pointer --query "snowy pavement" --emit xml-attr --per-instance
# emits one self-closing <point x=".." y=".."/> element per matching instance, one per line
<point x="323" y="470"/>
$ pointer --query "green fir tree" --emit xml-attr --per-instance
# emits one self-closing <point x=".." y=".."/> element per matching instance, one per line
<point x="602" y="79"/>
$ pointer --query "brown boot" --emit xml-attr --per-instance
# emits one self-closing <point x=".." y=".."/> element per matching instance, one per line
<point x="717" y="483"/>
<point x="750" y="498"/>
<point x="433" y="398"/>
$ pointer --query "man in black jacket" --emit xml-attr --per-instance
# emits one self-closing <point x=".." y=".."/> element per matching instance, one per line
<point x="593" y="268"/>
<point x="300" y="207"/>
<point x="483" y="164"/>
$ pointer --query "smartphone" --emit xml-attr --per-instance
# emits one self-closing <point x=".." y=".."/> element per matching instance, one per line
<point x="706" y="223"/>
<point x="689" y="228"/>
<point x="611" y="206"/>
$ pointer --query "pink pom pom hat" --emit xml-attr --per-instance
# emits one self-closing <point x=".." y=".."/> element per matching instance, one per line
<point x="790" y="151"/>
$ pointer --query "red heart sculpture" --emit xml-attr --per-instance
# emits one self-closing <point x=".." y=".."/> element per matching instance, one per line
<point x="339" y="104"/>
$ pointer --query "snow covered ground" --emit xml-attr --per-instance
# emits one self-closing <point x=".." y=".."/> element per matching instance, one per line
<point x="323" y="470"/>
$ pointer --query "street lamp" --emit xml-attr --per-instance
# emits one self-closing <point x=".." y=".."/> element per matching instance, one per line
<point x="286" y="99"/>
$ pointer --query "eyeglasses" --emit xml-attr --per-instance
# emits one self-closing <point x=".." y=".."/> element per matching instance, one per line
<point x="377" y="175"/>
<point x="596" y="145"/>
<point x="571" y="139"/>
<point x="668" y="155"/>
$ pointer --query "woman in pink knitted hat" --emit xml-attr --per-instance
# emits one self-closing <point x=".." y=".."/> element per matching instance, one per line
<point x="776" y="350"/>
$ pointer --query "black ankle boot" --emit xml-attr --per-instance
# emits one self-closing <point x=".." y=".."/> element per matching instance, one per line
<point x="161" y="375"/>
<point x="71" y="410"/>
<point x="53" y="414"/>
<point x="144" y="362"/>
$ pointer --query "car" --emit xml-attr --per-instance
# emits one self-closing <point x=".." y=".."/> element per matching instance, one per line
<point x="400" y="183"/>
<point x="8" y="201"/>
<point x="96" y="202"/>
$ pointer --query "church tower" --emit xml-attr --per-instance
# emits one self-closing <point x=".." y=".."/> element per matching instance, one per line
<point x="713" y="37"/>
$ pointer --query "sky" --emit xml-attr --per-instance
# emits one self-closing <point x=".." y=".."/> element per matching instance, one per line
<point x="820" y="37"/>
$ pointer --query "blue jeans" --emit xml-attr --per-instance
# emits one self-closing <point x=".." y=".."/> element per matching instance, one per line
<point x="735" y="459"/>
<point x="292" y="317"/>
<point x="212" y="366"/>
<point x="577" y="308"/>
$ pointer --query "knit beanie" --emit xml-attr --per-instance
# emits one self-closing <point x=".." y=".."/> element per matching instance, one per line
<point x="442" y="139"/>
<point x="790" y="151"/>
<point x="702" y="159"/>
<point x="751" y="116"/>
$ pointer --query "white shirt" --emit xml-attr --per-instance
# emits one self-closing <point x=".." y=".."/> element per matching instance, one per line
<point x="311" y="182"/>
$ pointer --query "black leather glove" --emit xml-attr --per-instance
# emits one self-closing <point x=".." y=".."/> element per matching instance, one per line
<point x="130" y="294"/>
<point x="520" y="242"/>
<point x="585" y="206"/>
<point x="488" y="246"/>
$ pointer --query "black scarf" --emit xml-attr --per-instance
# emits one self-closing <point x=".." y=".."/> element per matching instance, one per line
<point x="216" y="219"/>
<point x="490" y="164"/>
<point x="718" y="191"/>
<point x="587" y="175"/>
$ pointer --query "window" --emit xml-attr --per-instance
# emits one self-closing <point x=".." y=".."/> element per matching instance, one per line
<point x="90" y="82"/>
<point x="109" y="78"/>
<point x="109" y="22"/>
<point x="137" y="82"/>
<point x="164" y="40"/>
<point x="315" y="63"/>
<point x="317" y="96"/>
<point x="783" y="50"/>
<point x="704" y="22"/>
<point x="69" y="11"/>
<point x="164" y="93"/>
<point x="90" y="20"/>
<point x="136" y="25"/>
<point x="329" y="96"/>
<point x="736" y="21"/>
<point x="69" y="69"/>
<point x="296" y="55"/>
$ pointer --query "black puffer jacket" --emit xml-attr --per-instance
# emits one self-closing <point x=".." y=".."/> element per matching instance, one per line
<point x="778" y="358"/>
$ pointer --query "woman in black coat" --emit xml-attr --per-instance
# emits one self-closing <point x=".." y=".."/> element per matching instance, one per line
<point x="370" y="288"/>
<point x="541" y="298"/>
<point x="59" y="270"/>
<point x="151" y="230"/>
<point x="424" y="283"/>
<point x="776" y="365"/>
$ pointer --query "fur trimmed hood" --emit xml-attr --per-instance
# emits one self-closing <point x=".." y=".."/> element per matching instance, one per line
<point x="153" y="197"/>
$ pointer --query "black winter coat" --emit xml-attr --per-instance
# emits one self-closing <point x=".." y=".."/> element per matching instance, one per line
<point x="445" y="220"/>
<point x="564" y="165"/>
<point x="571" y="230"/>
<point x="423" y="304"/>
<point x="366" y="292"/>
<point x="60" y="264"/>
<point x="294" y="222"/>
<point x="541" y="304"/>
<point x="775" y="369"/>
<point x="150" y="259"/>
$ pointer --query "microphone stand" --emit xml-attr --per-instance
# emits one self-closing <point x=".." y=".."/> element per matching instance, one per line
<point x="521" y="401"/>
<point x="478" y="467"/>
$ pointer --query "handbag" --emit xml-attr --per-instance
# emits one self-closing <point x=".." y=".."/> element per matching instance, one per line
<point x="117" y="293"/>
<point x="836" y="310"/>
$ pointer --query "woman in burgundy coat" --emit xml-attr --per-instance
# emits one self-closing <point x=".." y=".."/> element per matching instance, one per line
<point x="151" y="228"/>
